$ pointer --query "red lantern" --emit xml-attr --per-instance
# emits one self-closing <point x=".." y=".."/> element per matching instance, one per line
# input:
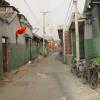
<point x="21" y="30"/>
<point x="49" y="45"/>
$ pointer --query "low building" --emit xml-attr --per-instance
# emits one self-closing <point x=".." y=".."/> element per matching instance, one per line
<point x="15" y="50"/>
<point x="93" y="9"/>
<point x="89" y="33"/>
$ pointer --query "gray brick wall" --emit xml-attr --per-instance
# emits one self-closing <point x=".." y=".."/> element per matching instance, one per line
<point x="95" y="22"/>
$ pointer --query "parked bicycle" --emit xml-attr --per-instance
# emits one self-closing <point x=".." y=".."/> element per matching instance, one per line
<point x="74" y="66"/>
<point x="80" y="67"/>
<point x="96" y="73"/>
<point x="77" y="69"/>
<point x="87" y="72"/>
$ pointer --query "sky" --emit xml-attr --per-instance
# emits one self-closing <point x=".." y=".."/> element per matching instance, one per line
<point x="59" y="12"/>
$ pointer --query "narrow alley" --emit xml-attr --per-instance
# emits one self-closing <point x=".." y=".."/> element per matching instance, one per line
<point x="45" y="79"/>
<point x="49" y="49"/>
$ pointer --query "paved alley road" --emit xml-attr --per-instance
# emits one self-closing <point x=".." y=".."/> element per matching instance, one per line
<point x="48" y="79"/>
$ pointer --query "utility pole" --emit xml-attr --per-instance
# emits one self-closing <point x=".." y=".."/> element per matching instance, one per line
<point x="44" y="14"/>
<point x="77" y="33"/>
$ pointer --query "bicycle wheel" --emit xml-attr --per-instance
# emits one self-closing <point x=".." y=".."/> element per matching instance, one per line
<point x="85" y="77"/>
<point x="73" y="69"/>
<point x="78" y="73"/>
<point x="94" y="80"/>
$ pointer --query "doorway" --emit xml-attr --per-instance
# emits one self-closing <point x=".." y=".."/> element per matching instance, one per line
<point x="5" y="53"/>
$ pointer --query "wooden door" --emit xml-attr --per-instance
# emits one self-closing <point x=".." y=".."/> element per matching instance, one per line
<point x="5" y="54"/>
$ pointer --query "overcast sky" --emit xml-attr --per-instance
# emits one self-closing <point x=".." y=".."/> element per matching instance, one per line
<point x="57" y="12"/>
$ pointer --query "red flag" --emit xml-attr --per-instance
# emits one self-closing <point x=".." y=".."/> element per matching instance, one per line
<point x="21" y="30"/>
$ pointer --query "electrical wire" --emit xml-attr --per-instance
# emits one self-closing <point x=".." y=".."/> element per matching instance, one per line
<point x="69" y="15"/>
<point x="31" y="11"/>
<point x="68" y="10"/>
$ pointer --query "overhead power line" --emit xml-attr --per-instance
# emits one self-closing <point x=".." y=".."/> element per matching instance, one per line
<point x="31" y="11"/>
<point x="68" y="10"/>
<point x="69" y="15"/>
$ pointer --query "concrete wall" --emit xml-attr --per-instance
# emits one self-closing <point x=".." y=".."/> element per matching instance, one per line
<point x="96" y="31"/>
<point x="9" y="30"/>
<point x="20" y="55"/>
<point x="95" y="22"/>
<point x="92" y="35"/>
<point x="81" y="44"/>
<point x="96" y="46"/>
<point x="88" y="40"/>
<point x="17" y="54"/>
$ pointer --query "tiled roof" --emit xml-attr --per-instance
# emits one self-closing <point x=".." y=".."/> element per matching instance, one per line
<point x="4" y="3"/>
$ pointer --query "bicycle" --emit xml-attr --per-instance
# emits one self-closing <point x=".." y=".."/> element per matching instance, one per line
<point x="74" y="66"/>
<point x="77" y="69"/>
<point x="87" y="73"/>
<point x="96" y="73"/>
